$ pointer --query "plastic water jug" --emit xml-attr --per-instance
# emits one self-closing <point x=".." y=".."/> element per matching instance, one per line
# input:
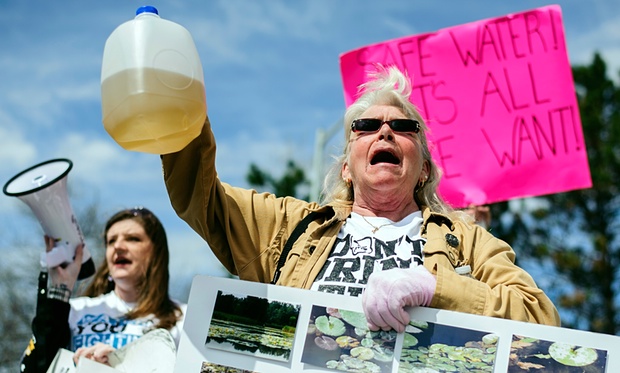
<point x="152" y="85"/>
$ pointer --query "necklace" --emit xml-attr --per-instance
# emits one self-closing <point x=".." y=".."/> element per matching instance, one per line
<point x="374" y="227"/>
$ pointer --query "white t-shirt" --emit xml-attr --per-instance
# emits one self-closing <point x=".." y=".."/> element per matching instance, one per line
<point x="101" y="319"/>
<point x="358" y="252"/>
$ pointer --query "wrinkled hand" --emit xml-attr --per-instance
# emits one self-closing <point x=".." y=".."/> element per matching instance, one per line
<point x="388" y="292"/>
<point x="65" y="274"/>
<point x="98" y="352"/>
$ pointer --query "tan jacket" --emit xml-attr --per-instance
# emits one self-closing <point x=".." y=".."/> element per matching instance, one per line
<point x="247" y="231"/>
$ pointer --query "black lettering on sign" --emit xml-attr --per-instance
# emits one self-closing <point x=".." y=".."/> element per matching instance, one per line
<point x="506" y="38"/>
<point x="531" y="135"/>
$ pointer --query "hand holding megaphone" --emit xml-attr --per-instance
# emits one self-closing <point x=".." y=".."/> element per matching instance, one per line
<point x="66" y="271"/>
<point x="43" y="188"/>
<point x="58" y="255"/>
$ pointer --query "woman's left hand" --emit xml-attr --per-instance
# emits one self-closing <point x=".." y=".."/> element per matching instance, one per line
<point x="99" y="352"/>
<point x="389" y="291"/>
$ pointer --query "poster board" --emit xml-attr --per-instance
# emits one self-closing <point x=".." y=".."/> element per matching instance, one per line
<point x="206" y="345"/>
<point x="154" y="352"/>
<point x="499" y="97"/>
<point x="63" y="363"/>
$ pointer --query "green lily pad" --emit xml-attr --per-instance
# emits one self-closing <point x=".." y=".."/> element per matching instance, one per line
<point x="353" y="364"/>
<point x="571" y="355"/>
<point x="330" y="325"/>
<point x="360" y="332"/>
<point x="346" y="341"/>
<point x="362" y="353"/>
<point x="357" y="319"/>
<point x="368" y="342"/>
<point x="419" y="324"/>
<point x="383" y="354"/>
<point x="412" y="329"/>
<point x="409" y="340"/>
<point x="332" y="364"/>
<point x="490" y="339"/>
<point x="371" y="367"/>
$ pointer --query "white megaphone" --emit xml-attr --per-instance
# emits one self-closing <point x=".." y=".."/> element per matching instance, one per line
<point x="43" y="188"/>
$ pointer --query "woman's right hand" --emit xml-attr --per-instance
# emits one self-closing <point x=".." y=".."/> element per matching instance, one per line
<point x="98" y="352"/>
<point x="66" y="274"/>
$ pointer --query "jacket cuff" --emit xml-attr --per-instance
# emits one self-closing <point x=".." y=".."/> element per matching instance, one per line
<point x="59" y="292"/>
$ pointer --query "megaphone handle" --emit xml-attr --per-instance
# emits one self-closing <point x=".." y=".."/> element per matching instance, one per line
<point x="85" y="255"/>
<point x="88" y="266"/>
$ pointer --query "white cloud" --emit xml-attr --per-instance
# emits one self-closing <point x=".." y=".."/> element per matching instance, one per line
<point x="101" y="161"/>
<point x="16" y="151"/>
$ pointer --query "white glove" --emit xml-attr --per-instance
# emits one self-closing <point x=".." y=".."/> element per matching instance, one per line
<point x="389" y="292"/>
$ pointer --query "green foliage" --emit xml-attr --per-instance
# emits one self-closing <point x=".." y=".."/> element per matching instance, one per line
<point x="288" y="329"/>
<point x="288" y="185"/>
<point x="229" y="317"/>
<point x="259" y="310"/>
<point x="574" y="236"/>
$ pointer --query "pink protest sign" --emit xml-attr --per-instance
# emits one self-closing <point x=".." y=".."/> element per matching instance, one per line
<point x="499" y="98"/>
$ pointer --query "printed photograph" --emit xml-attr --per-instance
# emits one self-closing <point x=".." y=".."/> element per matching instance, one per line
<point x="430" y="347"/>
<point x="340" y="340"/>
<point x="532" y="354"/>
<point x="253" y="326"/>
<point x="208" y="367"/>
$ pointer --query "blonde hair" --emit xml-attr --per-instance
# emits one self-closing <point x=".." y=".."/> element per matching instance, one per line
<point x="386" y="86"/>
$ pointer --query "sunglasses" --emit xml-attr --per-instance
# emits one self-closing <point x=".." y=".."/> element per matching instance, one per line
<point x="397" y="125"/>
<point x="140" y="211"/>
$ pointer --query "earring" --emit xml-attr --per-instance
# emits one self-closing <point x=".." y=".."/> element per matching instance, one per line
<point x="110" y="279"/>
<point x="422" y="182"/>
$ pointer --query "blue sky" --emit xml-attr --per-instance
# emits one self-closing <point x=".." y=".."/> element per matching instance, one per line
<point x="272" y="80"/>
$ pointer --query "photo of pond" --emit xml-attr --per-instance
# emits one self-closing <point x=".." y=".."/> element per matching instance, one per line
<point x="253" y="326"/>
<point x="208" y="367"/>
<point x="441" y="348"/>
<point x="532" y="354"/>
<point x="340" y="340"/>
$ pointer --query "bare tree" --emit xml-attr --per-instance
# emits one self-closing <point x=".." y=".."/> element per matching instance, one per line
<point x="19" y="270"/>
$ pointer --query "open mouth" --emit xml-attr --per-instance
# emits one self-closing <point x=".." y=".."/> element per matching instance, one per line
<point x="121" y="261"/>
<point x="384" y="156"/>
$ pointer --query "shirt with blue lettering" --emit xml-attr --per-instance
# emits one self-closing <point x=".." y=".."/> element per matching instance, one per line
<point x="102" y="319"/>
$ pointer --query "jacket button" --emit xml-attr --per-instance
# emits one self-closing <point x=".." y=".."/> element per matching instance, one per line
<point x="452" y="240"/>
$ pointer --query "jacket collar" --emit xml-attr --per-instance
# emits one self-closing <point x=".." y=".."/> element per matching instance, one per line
<point x="436" y="218"/>
<point x="341" y="213"/>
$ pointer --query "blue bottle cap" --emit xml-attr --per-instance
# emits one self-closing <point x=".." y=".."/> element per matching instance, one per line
<point x="147" y="9"/>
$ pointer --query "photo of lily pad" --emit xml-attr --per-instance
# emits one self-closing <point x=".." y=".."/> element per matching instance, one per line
<point x="340" y="340"/>
<point x="532" y="354"/>
<point x="430" y="347"/>
<point x="208" y="367"/>
<point x="254" y="326"/>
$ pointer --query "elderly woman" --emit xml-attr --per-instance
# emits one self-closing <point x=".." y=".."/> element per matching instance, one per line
<point x="382" y="232"/>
